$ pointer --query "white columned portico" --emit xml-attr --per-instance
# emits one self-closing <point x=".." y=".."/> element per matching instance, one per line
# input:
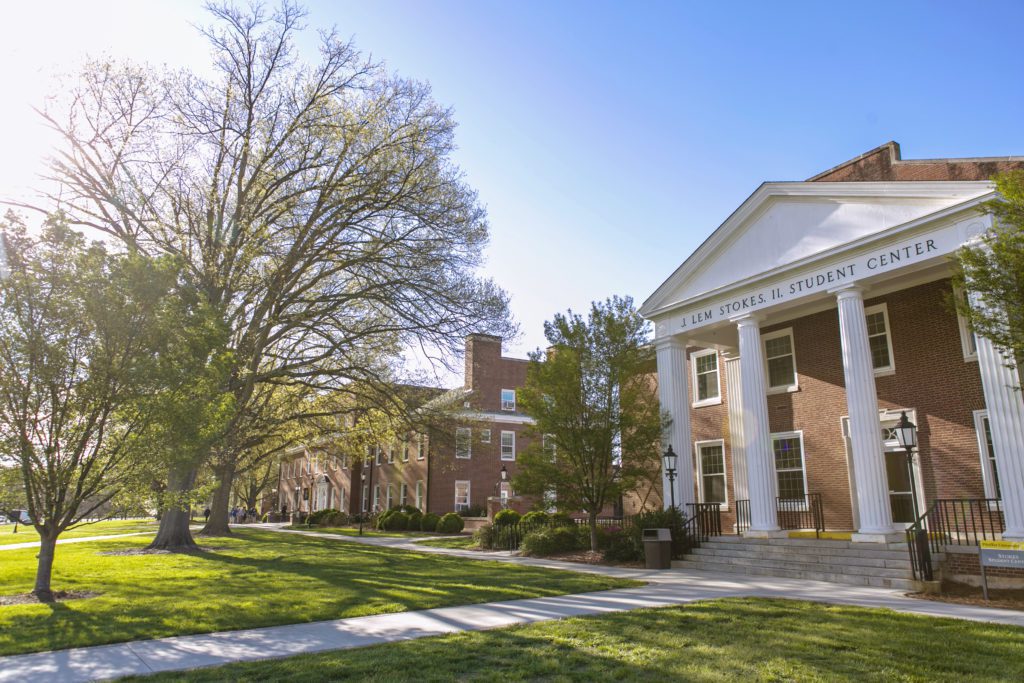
<point x="734" y="396"/>
<point x="1006" y="420"/>
<point x="756" y="434"/>
<point x="865" y="432"/>
<point x="674" y="397"/>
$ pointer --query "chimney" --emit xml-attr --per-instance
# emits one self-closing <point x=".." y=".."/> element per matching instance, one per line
<point x="481" y="350"/>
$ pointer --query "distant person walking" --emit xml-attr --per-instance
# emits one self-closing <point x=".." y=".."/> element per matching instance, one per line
<point x="206" y="514"/>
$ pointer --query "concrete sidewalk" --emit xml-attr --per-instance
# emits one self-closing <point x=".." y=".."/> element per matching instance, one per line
<point x="84" y="539"/>
<point x="665" y="588"/>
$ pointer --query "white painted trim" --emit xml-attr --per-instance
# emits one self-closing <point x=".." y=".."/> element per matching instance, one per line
<point x="501" y="446"/>
<point x="967" y="337"/>
<point x="502" y="400"/>
<point x="884" y="310"/>
<point x="476" y="416"/>
<point x="697" y="445"/>
<point x="798" y="433"/>
<point x="469" y="493"/>
<point x="485" y="436"/>
<point x="987" y="478"/>
<point x="469" y="443"/>
<point x="782" y="388"/>
<point x="713" y="400"/>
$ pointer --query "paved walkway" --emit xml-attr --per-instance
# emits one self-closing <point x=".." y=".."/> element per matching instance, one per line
<point x="671" y="587"/>
<point x="84" y="539"/>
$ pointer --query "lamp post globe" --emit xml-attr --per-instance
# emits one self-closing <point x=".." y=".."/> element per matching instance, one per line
<point x="669" y="460"/>
<point x="906" y="436"/>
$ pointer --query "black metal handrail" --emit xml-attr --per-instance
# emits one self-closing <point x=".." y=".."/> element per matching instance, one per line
<point x="742" y="516"/>
<point x="952" y="521"/>
<point x="917" y="545"/>
<point x="704" y="522"/>
<point x="801" y="513"/>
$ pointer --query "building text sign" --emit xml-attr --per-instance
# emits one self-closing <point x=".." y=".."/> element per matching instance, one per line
<point x="1007" y="554"/>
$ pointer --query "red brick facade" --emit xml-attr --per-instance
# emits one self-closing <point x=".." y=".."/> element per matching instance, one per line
<point x="884" y="164"/>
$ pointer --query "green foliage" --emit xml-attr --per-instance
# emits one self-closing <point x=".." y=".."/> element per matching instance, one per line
<point x="993" y="272"/>
<point x="327" y="518"/>
<point x="535" y="518"/>
<point x="485" y="536"/>
<point x="450" y="523"/>
<point x="473" y="511"/>
<point x="415" y="519"/>
<point x="396" y="521"/>
<point x="550" y="541"/>
<point x="315" y="518"/>
<point x="593" y="399"/>
<point x="506" y="517"/>
<point x="430" y="522"/>
<point x="561" y="519"/>
<point x="627" y="545"/>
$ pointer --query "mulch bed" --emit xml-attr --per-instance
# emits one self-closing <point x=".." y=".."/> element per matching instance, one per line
<point x="160" y="551"/>
<point x="591" y="557"/>
<point x="962" y="594"/>
<point x="58" y="596"/>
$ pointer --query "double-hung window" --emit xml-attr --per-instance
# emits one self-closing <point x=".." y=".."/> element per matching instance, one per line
<point x="508" y="399"/>
<point x="990" y="475"/>
<point x="788" y="448"/>
<point x="463" y="442"/>
<point x="421" y="447"/>
<point x="405" y="451"/>
<point x="780" y="359"/>
<point x="880" y="339"/>
<point x="420" y="490"/>
<point x="391" y="496"/>
<point x="706" y="385"/>
<point x="711" y="460"/>
<point x="403" y="493"/>
<point x="508" y="445"/>
<point x="377" y="455"/>
<point x="485" y="436"/>
<point x="461" y="496"/>
<point x="549" y="446"/>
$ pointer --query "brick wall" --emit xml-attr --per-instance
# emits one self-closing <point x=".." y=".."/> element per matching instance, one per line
<point x="966" y="562"/>
<point x="884" y="164"/>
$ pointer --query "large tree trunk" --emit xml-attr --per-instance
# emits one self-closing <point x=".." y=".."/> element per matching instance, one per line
<point x="174" y="533"/>
<point x="592" y="518"/>
<point x="217" y="525"/>
<point x="44" y="570"/>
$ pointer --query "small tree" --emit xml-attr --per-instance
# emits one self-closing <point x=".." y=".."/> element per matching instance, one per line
<point x="993" y="272"/>
<point x="82" y="333"/>
<point x="596" y="412"/>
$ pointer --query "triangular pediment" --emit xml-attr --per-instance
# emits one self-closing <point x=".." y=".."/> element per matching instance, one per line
<point x="786" y="223"/>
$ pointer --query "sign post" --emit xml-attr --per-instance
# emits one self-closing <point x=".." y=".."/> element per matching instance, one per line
<point x="1007" y="554"/>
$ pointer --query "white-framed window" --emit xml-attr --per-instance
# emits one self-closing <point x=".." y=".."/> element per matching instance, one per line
<point x="344" y="461"/>
<point x="508" y="445"/>
<point x="880" y="339"/>
<point x="391" y="453"/>
<point x="508" y="399"/>
<point x="421" y="447"/>
<point x="403" y="494"/>
<point x="405" y="451"/>
<point x="390" y="496"/>
<point x="780" y="360"/>
<point x="711" y="465"/>
<point x="341" y="498"/>
<point x="421" y="489"/>
<point x="968" y="339"/>
<point x="706" y="384"/>
<point x="549" y="446"/>
<point x="504" y="492"/>
<point x="989" y="473"/>
<point x="485" y="436"/>
<point x="378" y="455"/>
<point x="788" y="449"/>
<point x="365" y="498"/>
<point x="461" y="496"/>
<point x="376" y="497"/>
<point x="463" y="442"/>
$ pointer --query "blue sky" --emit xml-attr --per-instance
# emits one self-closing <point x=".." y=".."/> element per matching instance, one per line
<point x="608" y="139"/>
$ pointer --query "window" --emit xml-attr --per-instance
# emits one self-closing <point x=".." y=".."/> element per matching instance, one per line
<point x="391" y="453"/>
<point x="391" y="496"/>
<point x="420" y="490"/>
<point x="421" y="447"/>
<point x="340" y="496"/>
<point x="403" y="494"/>
<point x="508" y="399"/>
<point x="377" y="455"/>
<point x="508" y="445"/>
<point x="968" y="339"/>
<point x="405" y="451"/>
<point x="365" y="497"/>
<point x="461" y="496"/>
<point x="879" y="339"/>
<point x="989" y="473"/>
<point x="463" y="445"/>
<point x="705" y="378"/>
<point x="485" y="436"/>
<point x="789" y="465"/>
<point x="711" y="461"/>
<point x="376" y="497"/>
<point x="344" y="461"/>
<point x="549" y="445"/>
<point x="505" y="492"/>
<point x="780" y="359"/>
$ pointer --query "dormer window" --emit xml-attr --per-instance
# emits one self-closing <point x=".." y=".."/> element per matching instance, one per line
<point x="508" y="399"/>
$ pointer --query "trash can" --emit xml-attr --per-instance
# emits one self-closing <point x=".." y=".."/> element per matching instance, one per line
<point x="658" y="548"/>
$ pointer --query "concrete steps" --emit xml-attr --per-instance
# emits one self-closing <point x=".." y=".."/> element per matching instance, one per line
<point x="883" y="565"/>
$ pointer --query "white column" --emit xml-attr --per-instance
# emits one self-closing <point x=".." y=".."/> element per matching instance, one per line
<point x="734" y="398"/>
<point x="865" y="430"/>
<point x="756" y="435"/>
<point x="674" y="396"/>
<point x="1006" y="419"/>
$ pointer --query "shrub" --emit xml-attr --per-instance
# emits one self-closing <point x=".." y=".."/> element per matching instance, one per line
<point x="408" y="509"/>
<point x="561" y="519"/>
<point x="628" y="545"/>
<point x="415" y="519"/>
<point x="430" y="522"/>
<point x="535" y="518"/>
<point x="382" y="518"/>
<point x="334" y="518"/>
<point x="506" y="518"/>
<point x="396" y="521"/>
<point x="451" y="523"/>
<point x="623" y="546"/>
<point x="316" y="517"/>
<point x="544" y="542"/>
<point x="485" y="536"/>
<point x="474" y="511"/>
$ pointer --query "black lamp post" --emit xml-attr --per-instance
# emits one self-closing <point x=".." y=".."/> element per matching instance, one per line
<point x="669" y="459"/>
<point x="906" y="435"/>
<point x="369" y="493"/>
<point x="504" y="478"/>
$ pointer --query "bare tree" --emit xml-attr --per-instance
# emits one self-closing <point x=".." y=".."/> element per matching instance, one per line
<point x="315" y="208"/>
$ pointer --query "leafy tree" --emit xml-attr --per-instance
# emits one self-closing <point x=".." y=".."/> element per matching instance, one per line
<point x="596" y="411"/>
<point x="314" y="208"/>
<point x="83" y="334"/>
<point x="993" y="272"/>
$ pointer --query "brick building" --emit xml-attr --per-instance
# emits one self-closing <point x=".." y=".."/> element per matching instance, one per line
<point x="792" y="340"/>
<point x="455" y="466"/>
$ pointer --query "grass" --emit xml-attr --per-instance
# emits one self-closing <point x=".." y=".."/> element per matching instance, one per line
<point x="255" y="578"/>
<point x="27" y="534"/>
<point x="354" y="531"/>
<point x="719" y="640"/>
<point x="457" y="542"/>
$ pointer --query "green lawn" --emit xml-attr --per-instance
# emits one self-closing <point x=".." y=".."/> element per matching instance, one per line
<point x="256" y="578"/>
<point x="354" y="531"/>
<point x="27" y="534"/>
<point x="720" y="640"/>
<point x="458" y="542"/>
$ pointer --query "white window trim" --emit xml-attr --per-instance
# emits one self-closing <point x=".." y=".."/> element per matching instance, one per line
<point x="502" y="446"/>
<point x="548" y="444"/>
<point x="469" y="443"/>
<point x="403" y="494"/>
<point x="405" y="451"/>
<point x="987" y="478"/>
<point x="700" y="469"/>
<point x="716" y="400"/>
<point x="513" y="402"/>
<point x="390" y="496"/>
<point x="966" y="335"/>
<point x="803" y="457"/>
<point x="469" y="493"/>
<point x="485" y="436"/>
<point x="421" y="448"/>
<point x="884" y="310"/>
<point x="420" y="491"/>
<point x="795" y="386"/>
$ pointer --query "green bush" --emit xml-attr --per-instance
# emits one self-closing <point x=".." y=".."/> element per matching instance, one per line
<point x="623" y="546"/>
<point x="335" y="518"/>
<point x="430" y="522"/>
<point x="382" y="518"/>
<point x="396" y="521"/>
<point x="535" y="518"/>
<point x="318" y="516"/>
<point x="627" y="545"/>
<point x="545" y="542"/>
<point x="451" y="523"/>
<point x="485" y="536"/>
<point x="506" y="518"/>
<point x="561" y="519"/>
<point x="474" y="511"/>
<point x="415" y="520"/>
